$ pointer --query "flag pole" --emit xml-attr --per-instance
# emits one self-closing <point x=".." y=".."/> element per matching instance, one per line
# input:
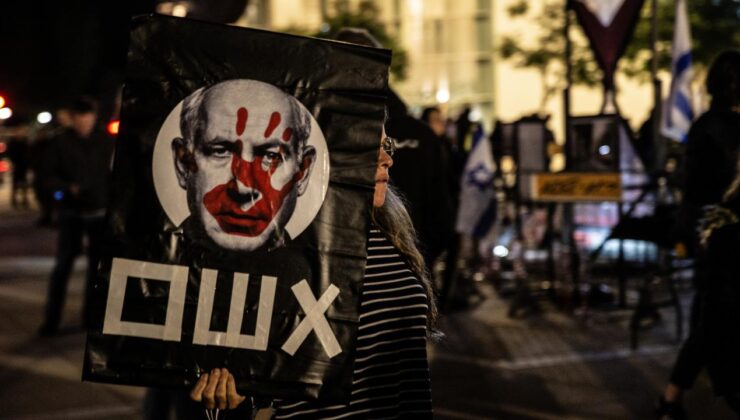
<point x="568" y="231"/>
<point x="568" y="75"/>
<point x="657" y="86"/>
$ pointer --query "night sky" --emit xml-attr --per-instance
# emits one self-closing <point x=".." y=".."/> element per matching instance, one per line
<point x="54" y="50"/>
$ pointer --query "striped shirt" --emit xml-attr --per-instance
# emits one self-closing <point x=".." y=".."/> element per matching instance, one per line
<point x="391" y="373"/>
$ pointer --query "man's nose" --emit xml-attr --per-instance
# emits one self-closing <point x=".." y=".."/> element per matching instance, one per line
<point x="243" y="172"/>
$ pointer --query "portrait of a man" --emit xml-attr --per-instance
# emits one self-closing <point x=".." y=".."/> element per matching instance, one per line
<point x="236" y="235"/>
<point x="243" y="160"/>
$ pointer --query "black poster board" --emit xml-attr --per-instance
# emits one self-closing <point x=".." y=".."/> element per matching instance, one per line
<point x="242" y="186"/>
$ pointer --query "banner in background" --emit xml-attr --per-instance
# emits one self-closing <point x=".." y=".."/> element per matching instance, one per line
<point x="608" y="25"/>
<point x="576" y="187"/>
<point x="243" y="181"/>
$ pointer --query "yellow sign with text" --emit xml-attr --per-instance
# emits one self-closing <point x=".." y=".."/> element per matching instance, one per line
<point x="577" y="187"/>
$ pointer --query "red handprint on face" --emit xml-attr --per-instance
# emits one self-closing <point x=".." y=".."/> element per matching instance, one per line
<point x="247" y="203"/>
<point x="242" y="115"/>
<point x="275" y="119"/>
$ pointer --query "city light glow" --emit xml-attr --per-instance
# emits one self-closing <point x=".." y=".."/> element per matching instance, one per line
<point x="443" y="96"/>
<point x="5" y="113"/>
<point x="43" y="117"/>
<point x="500" y="251"/>
<point x="416" y="7"/>
<point x="180" y="10"/>
<point x="113" y="127"/>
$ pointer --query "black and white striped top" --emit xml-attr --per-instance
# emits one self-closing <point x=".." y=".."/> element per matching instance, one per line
<point x="391" y="374"/>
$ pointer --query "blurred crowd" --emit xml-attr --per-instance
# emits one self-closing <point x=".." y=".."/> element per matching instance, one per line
<point x="66" y="164"/>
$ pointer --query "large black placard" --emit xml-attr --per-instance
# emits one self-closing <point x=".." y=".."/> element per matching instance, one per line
<point x="242" y="185"/>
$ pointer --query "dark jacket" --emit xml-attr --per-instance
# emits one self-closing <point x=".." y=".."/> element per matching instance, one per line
<point x="720" y="317"/>
<point x="83" y="162"/>
<point x="712" y="157"/>
<point x="711" y="165"/>
<point x="421" y="174"/>
<point x="19" y="154"/>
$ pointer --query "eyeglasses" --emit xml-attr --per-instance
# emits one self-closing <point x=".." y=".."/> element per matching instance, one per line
<point x="389" y="145"/>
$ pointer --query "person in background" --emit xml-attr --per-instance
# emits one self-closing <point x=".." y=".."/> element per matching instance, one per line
<point x="646" y="146"/>
<point x="40" y="162"/>
<point x="719" y="235"/>
<point x="19" y="155"/>
<point x="711" y="165"/>
<point x="422" y="178"/>
<point x="454" y="162"/>
<point x="433" y="117"/>
<point x="464" y="129"/>
<point x="79" y="172"/>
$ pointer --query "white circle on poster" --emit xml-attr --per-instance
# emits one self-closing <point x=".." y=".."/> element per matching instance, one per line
<point x="173" y="196"/>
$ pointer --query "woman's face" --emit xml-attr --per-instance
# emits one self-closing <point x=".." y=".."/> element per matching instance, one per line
<point x="381" y="173"/>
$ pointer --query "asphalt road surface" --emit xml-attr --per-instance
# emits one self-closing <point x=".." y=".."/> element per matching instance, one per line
<point x="548" y="366"/>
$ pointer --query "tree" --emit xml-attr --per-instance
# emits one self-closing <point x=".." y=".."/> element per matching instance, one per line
<point x="714" y="27"/>
<point x="365" y="16"/>
<point x="546" y="55"/>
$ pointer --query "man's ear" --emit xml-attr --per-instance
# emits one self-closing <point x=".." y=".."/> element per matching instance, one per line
<point x="183" y="161"/>
<point x="309" y="158"/>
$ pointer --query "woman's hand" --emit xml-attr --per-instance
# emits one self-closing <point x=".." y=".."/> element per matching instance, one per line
<point x="217" y="390"/>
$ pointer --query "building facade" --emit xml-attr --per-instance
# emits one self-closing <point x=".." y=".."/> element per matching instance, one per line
<point x="452" y="61"/>
<point x="449" y="44"/>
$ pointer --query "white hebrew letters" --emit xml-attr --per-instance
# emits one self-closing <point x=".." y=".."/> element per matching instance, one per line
<point x="121" y="270"/>
<point x="233" y="336"/>
<point x="177" y="276"/>
<point x="314" y="320"/>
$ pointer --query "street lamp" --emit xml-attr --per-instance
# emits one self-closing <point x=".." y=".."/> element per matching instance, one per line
<point x="113" y="127"/>
<point x="5" y="113"/>
<point x="443" y="96"/>
<point x="43" y="117"/>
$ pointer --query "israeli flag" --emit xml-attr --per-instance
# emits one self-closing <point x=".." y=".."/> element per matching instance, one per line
<point x="477" y="210"/>
<point x="679" y="113"/>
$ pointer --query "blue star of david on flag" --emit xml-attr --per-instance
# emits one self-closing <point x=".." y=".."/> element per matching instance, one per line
<point x="480" y="177"/>
<point x="477" y="210"/>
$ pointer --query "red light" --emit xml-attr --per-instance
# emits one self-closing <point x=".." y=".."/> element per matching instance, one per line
<point x="4" y="166"/>
<point x="3" y="147"/>
<point x="2" y="102"/>
<point x="113" y="127"/>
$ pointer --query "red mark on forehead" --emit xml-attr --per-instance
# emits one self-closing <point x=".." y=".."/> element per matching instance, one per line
<point x="287" y="133"/>
<point x="274" y="122"/>
<point x="241" y="120"/>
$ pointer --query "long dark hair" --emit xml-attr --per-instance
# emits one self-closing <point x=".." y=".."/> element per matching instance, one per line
<point x="393" y="219"/>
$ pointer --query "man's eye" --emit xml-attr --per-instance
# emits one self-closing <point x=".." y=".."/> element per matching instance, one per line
<point x="218" y="150"/>
<point x="273" y="157"/>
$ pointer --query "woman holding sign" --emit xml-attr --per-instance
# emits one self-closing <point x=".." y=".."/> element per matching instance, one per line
<point x="391" y="373"/>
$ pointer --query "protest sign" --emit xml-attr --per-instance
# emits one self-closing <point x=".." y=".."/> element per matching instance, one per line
<point x="242" y="188"/>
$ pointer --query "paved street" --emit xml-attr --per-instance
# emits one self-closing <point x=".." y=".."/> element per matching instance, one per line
<point x="549" y="366"/>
